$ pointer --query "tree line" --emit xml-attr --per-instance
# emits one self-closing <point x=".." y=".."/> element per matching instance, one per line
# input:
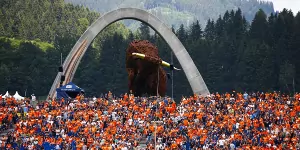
<point x="230" y="53"/>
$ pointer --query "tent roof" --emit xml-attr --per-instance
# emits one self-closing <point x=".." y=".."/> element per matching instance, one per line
<point x="70" y="87"/>
<point x="6" y="94"/>
<point x="18" y="96"/>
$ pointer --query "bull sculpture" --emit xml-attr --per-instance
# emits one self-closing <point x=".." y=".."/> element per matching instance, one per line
<point x="144" y="68"/>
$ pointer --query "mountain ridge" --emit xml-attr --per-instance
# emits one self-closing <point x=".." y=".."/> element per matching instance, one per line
<point x="177" y="12"/>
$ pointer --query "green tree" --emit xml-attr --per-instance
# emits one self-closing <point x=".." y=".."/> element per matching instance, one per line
<point x="296" y="50"/>
<point x="182" y="34"/>
<point x="196" y="31"/>
<point x="144" y="31"/>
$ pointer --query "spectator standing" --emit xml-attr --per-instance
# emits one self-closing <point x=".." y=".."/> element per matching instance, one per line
<point x="33" y="100"/>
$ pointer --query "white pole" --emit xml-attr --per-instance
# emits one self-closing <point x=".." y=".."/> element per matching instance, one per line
<point x="156" y="108"/>
<point x="294" y="85"/>
<point x="172" y="75"/>
<point x="60" y="58"/>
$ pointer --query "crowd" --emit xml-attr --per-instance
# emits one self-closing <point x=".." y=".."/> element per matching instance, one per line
<point x="217" y="121"/>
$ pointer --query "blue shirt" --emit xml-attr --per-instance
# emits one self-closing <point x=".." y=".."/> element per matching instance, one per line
<point x="245" y="96"/>
<point x="166" y="102"/>
<point x="46" y="146"/>
<point x="25" y="109"/>
<point x="73" y="145"/>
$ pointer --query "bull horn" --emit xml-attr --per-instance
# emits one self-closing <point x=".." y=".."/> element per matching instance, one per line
<point x="163" y="63"/>
<point x="139" y="55"/>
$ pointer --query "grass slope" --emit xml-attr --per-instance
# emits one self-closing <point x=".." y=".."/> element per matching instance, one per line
<point x="15" y="43"/>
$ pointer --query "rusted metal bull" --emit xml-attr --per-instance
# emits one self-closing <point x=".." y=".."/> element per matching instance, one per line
<point x="144" y="68"/>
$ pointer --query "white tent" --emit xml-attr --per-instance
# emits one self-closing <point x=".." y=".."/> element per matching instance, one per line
<point x="18" y="97"/>
<point x="6" y="95"/>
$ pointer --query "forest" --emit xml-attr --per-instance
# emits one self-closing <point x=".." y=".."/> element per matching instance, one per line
<point x="230" y="52"/>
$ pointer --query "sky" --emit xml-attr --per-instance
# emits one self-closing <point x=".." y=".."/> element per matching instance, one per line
<point x="294" y="5"/>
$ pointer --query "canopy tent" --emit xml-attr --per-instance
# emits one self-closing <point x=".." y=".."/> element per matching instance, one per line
<point x="6" y="95"/>
<point x="68" y="90"/>
<point x="17" y="96"/>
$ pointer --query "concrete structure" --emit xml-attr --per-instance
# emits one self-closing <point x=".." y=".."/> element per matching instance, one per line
<point x="72" y="61"/>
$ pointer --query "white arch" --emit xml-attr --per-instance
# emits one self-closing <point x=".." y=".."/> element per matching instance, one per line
<point x="193" y="75"/>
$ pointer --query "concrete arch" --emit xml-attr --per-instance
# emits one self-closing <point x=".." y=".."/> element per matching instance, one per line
<point x="72" y="61"/>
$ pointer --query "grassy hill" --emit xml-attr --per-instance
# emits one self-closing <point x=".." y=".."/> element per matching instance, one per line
<point x="176" y="12"/>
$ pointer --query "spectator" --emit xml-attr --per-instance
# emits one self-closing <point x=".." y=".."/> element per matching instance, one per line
<point x="219" y="121"/>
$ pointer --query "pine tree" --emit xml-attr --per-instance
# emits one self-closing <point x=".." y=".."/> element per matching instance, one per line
<point x="259" y="27"/>
<point x="145" y="31"/>
<point x="209" y="32"/>
<point x="196" y="31"/>
<point x="182" y="34"/>
<point x="296" y="50"/>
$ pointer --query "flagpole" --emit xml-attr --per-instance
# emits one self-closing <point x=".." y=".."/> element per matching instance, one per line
<point x="156" y="110"/>
<point x="61" y="64"/>
<point x="172" y="76"/>
<point x="294" y="85"/>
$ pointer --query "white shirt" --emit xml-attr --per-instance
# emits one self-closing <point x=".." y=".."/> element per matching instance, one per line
<point x="84" y="147"/>
<point x="57" y="147"/>
<point x="49" y="118"/>
<point x="113" y="114"/>
<point x="205" y="147"/>
<point x="71" y="105"/>
<point x="35" y="142"/>
<point x="57" y="131"/>
<point x="30" y="147"/>
<point x="130" y="122"/>
<point x="62" y="131"/>
<point x="221" y="142"/>
<point x="64" y="136"/>
<point x="33" y="98"/>
<point x="83" y="122"/>
<point x="232" y="146"/>
<point x="159" y="147"/>
<point x="124" y="148"/>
